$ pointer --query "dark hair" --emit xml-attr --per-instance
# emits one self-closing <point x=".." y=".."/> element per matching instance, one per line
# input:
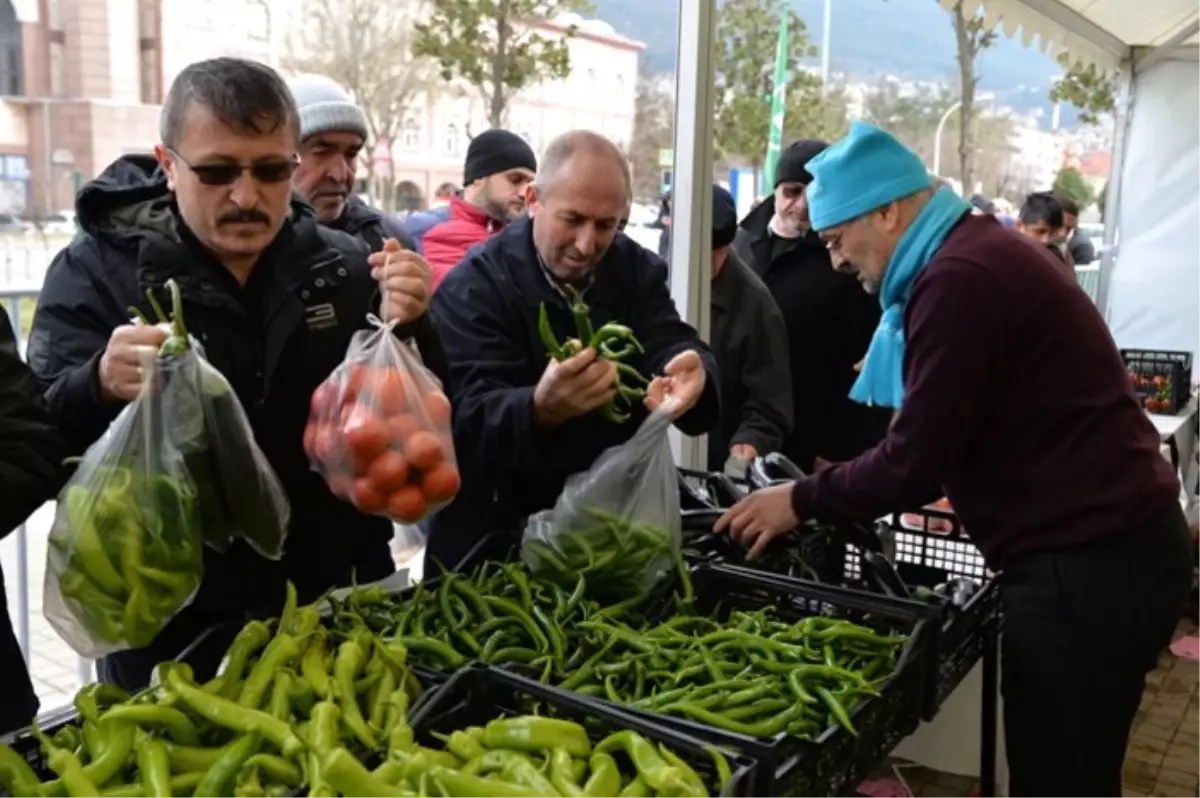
<point x="1057" y="252"/>
<point x="1069" y="205"/>
<point x="1042" y="207"/>
<point x="245" y="96"/>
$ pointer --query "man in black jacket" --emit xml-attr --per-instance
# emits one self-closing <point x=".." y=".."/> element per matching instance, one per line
<point x="333" y="131"/>
<point x="273" y="296"/>
<point x="830" y="319"/>
<point x="31" y="455"/>
<point x="749" y="339"/>
<point x="524" y="422"/>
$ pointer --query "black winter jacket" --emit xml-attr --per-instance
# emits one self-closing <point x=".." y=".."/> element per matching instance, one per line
<point x="275" y="339"/>
<point x="486" y="311"/>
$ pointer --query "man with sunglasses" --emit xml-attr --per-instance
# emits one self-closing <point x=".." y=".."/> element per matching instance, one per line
<point x="272" y="295"/>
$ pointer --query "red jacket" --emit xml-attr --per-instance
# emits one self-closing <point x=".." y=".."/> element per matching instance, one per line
<point x="446" y="243"/>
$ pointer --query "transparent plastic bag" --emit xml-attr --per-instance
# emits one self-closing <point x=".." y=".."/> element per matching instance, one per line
<point x="125" y="550"/>
<point x="618" y="523"/>
<point x="379" y="430"/>
<point x="237" y="491"/>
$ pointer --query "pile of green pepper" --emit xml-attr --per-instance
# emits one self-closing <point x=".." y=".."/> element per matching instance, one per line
<point x="619" y="556"/>
<point x="612" y="341"/>
<point x="497" y="614"/>
<point x="524" y="757"/>
<point x="752" y="674"/>
<point x="290" y="693"/>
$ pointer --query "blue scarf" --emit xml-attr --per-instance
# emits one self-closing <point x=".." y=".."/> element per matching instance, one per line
<point x="881" y="381"/>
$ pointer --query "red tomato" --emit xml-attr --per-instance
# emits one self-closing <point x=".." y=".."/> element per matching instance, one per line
<point x="407" y="504"/>
<point x="437" y="408"/>
<point x="386" y="387"/>
<point x="403" y="427"/>
<point x="423" y="450"/>
<point x="366" y="438"/>
<point x="340" y="485"/>
<point x="328" y="445"/>
<point x="388" y="471"/>
<point x="310" y="438"/>
<point x="367" y="497"/>
<point x="322" y="400"/>
<point x="441" y="482"/>
<point x="352" y="378"/>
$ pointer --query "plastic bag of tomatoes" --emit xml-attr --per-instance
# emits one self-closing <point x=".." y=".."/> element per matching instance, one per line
<point x="379" y="430"/>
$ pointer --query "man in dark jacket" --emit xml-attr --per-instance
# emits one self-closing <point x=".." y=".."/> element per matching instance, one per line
<point x="273" y="296"/>
<point x="31" y="455"/>
<point x="829" y="319"/>
<point x="524" y="422"/>
<point x="333" y="131"/>
<point x="749" y="339"/>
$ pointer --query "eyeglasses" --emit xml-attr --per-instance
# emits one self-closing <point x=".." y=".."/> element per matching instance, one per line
<point x="224" y="174"/>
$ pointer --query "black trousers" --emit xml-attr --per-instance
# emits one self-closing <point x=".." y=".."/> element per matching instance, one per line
<point x="1082" y="628"/>
<point x="19" y="703"/>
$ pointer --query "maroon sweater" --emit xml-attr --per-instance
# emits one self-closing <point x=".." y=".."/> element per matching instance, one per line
<point x="1017" y="405"/>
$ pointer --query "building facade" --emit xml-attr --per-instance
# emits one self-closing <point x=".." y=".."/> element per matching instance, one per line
<point x="600" y="95"/>
<point x="81" y="82"/>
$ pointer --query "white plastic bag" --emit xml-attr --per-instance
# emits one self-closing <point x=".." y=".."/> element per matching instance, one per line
<point x="618" y="524"/>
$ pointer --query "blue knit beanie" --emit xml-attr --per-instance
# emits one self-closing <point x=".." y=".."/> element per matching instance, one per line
<point x="865" y="170"/>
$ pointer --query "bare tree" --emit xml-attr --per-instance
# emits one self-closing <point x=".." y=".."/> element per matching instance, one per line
<point x="973" y="36"/>
<point x="367" y="47"/>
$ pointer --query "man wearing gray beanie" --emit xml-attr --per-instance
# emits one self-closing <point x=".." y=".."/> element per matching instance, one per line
<point x="333" y="131"/>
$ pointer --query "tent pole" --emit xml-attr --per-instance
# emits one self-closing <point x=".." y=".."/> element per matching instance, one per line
<point x="691" y="190"/>
<point x="1116" y="174"/>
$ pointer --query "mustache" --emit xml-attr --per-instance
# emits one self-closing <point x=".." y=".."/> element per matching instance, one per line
<point x="244" y="216"/>
<point x="330" y="189"/>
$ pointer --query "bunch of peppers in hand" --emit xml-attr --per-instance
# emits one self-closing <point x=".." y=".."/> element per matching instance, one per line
<point x="613" y="341"/>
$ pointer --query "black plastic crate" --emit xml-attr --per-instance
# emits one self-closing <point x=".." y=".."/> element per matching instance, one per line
<point x="836" y="760"/>
<point x="481" y="693"/>
<point x="1161" y="379"/>
<point x="926" y="558"/>
<point x="812" y="552"/>
<point x="24" y="743"/>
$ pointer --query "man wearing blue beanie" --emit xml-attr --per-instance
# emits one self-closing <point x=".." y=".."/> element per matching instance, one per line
<point x="1016" y="403"/>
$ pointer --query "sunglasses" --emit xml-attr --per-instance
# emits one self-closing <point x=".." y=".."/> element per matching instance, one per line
<point x="224" y="174"/>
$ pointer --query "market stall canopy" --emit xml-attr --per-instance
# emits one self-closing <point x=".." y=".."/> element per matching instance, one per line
<point x="1097" y="31"/>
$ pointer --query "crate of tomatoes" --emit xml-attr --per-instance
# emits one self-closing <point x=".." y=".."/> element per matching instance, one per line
<point x="379" y="430"/>
<point x="1162" y="380"/>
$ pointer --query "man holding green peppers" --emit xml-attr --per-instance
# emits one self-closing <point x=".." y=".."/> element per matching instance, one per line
<point x="272" y="295"/>
<point x="548" y="327"/>
<point x="1013" y="398"/>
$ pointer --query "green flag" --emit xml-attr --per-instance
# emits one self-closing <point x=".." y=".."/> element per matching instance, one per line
<point x="778" y="97"/>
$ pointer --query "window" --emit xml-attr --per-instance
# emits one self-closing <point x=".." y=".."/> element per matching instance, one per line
<point x="10" y="50"/>
<point x="451" y="139"/>
<point x="412" y="136"/>
<point x="258" y="20"/>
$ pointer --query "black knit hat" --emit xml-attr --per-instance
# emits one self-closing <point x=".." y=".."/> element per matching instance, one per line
<point x="725" y="221"/>
<point x="494" y="151"/>
<point x="794" y="159"/>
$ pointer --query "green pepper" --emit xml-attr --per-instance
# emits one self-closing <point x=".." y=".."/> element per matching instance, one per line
<point x="220" y="778"/>
<point x="399" y="734"/>
<point x="323" y="738"/>
<point x="278" y="653"/>
<point x="837" y="710"/>
<point x="176" y="724"/>
<point x="313" y="667"/>
<point x="93" y="698"/>
<point x="17" y="778"/>
<point x="534" y="734"/>
<point x="154" y="768"/>
<point x="229" y="715"/>
<point x="635" y="789"/>
<point x="465" y="745"/>
<point x="546" y="333"/>
<point x="67" y="766"/>
<point x="347" y="776"/>
<point x="252" y="637"/>
<point x="562" y="776"/>
<point x="650" y="766"/>
<point x="281" y="696"/>
<point x="520" y="771"/>
<point x="605" y="778"/>
<point x="346" y="666"/>
<point x="691" y="779"/>
<point x="277" y="769"/>
<point x="449" y="657"/>
<point x="182" y="783"/>
<point x="191" y="759"/>
<point x="583" y="321"/>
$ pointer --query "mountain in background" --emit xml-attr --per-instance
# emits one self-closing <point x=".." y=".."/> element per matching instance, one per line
<point x="911" y="39"/>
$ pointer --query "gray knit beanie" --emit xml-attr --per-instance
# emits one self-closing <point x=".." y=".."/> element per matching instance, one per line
<point x="325" y="106"/>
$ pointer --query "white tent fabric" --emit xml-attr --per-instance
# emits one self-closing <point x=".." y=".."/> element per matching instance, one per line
<point x="1099" y="31"/>
<point x="1155" y="289"/>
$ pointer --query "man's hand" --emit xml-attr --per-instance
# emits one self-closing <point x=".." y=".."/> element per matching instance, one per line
<point x="743" y="451"/>
<point x="404" y="281"/>
<point x="760" y="518"/>
<point x="679" y="387"/>
<point x="121" y="364"/>
<point x="576" y="386"/>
